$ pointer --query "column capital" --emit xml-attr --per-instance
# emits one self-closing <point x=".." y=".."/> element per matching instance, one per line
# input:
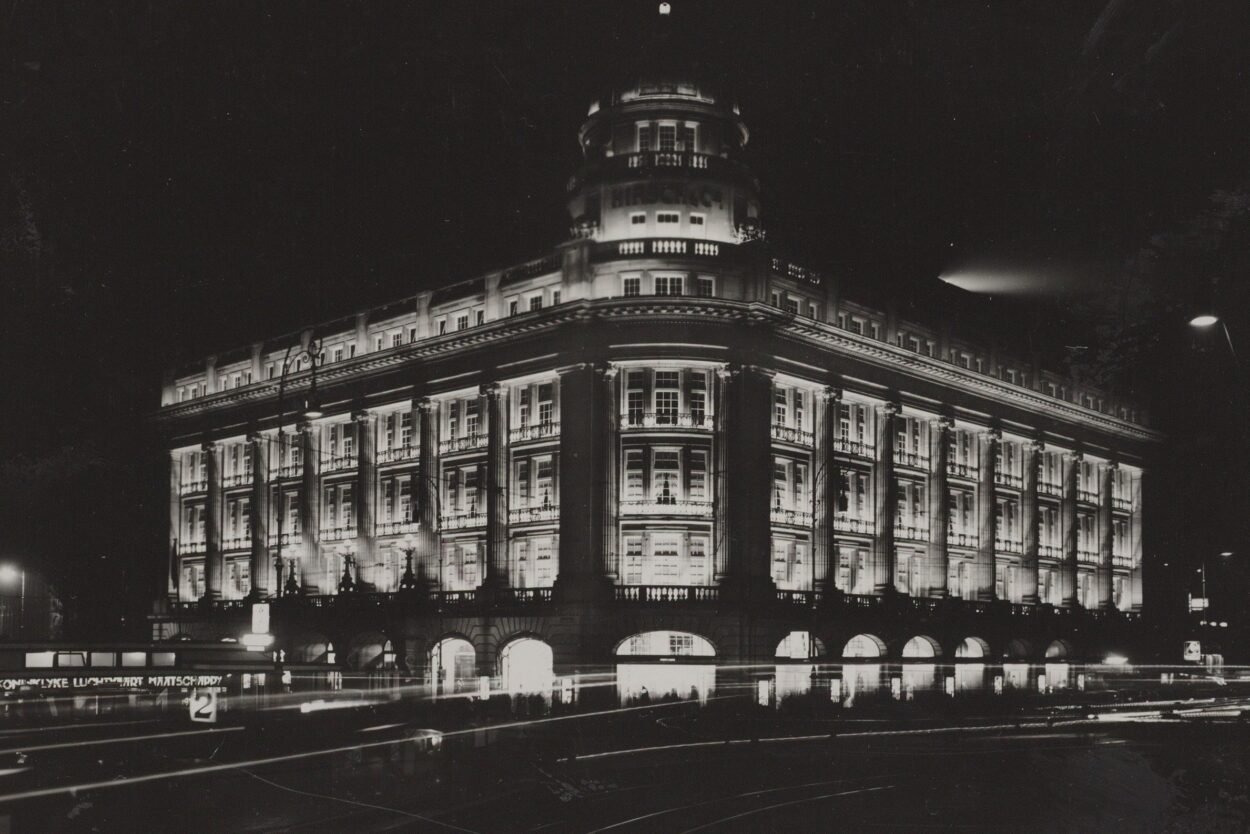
<point x="209" y="446"/>
<point x="830" y="394"/>
<point x="726" y="373"/>
<point x="890" y="408"/>
<point x="943" y="423"/>
<point x="993" y="434"/>
<point x="423" y="404"/>
<point x="576" y="366"/>
<point x="1036" y="444"/>
<point x="361" y="415"/>
<point x="491" y="390"/>
<point x="256" y="436"/>
<point x="1075" y="455"/>
<point x="608" y="371"/>
<point x="759" y="369"/>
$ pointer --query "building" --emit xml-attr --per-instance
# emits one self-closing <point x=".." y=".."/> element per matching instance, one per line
<point x="663" y="439"/>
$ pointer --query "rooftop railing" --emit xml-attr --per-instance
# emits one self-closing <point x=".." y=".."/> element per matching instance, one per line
<point x="667" y="593"/>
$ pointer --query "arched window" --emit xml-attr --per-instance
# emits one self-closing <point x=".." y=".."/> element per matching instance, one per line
<point x="800" y="645"/>
<point x="453" y="666"/>
<point x="666" y="644"/>
<point x="526" y="667"/>
<point x="921" y="646"/>
<point x="864" y="645"/>
<point x="972" y="647"/>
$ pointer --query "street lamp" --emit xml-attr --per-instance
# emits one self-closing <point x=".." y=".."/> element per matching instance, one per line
<point x="1202" y="321"/>
<point x="10" y="574"/>
<point x="347" y="584"/>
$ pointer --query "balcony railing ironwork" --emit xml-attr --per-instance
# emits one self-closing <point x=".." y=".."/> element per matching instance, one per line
<point x="189" y="487"/>
<point x="533" y="515"/>
<point x="851" y="524"/>
<point x="800" y="598"/>
<point x="535" y="431"/>
<point x="398" y="454"/>
<point x="1121" y="560"/>
<point x="667" y="420"/>
<point x="1050" y="488"/>
<point x="531" y="595"/>
<point x="662" y="507"/>
<point x="463" y="444"/>
<point x="1087" y="557"/>
<point x="790" y="434"/>
<point x="667" y="593"/>
<point x="855" y="448"/>
<point x="185" y="547"/>
<point x="1121" y="503"/>
<point x="236" y="480"/>
<point x="1087" y="496"/>
<point x="236" y="543"/>
<point x="287" y="539"/>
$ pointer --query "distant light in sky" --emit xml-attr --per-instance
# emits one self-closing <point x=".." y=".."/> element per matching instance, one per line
<point x="1016" y="277"/>
<point x="1204" y="320"/>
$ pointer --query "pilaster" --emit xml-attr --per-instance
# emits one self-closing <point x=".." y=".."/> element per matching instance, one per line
<point x="825" y="492"/>
<point x="260" y="568"/>
<point x="885" y="500"/>
<point x="940" y="432"/>
<point x="987" y="518"/>
<point x="1106" y="539"/>
<point x="494" y="399"/>
<point x="316" y="576"/>
<point x="426" y="489"/>
<point x="366" y="487"/>
<point x="213" y="565"/>
<point x="1030" y="519"/>
<point x="1068" y="518"/>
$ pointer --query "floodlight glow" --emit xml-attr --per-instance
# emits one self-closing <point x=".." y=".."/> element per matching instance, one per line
<point x="1203" y="320"/>
<point x="9" y="574"/>
<point x="1115" y="660"/>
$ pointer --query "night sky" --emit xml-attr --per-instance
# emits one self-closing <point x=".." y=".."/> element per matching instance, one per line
<point x="178" y="179"/>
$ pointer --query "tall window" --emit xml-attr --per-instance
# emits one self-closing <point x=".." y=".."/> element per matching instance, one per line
<point x="644" y="138"/>
<point x="631" y="286"/>
<point x="635" y="487"/>
<point x="704" y="287"/>
<point x="667" y="388"/>
<point x="698" y="397"/>
<point x="668" y="137"/>
<point x="546" y="404"/>
<point x="666" y="476"/>
<point x="698" y="476"/>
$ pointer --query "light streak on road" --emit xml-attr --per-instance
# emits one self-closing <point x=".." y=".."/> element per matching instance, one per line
<point x="95" y="742"/>
<point x="774" y="806"/>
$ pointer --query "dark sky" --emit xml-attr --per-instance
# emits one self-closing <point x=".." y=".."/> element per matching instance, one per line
<point x="180" y="178"/>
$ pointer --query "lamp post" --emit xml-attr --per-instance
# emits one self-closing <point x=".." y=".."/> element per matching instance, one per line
<point x="347" y="584"/>
<point x="1204" y="321"/>
<point x="1202" y="571"/>
<point x="311" y="410"/>
<point x="8" y="575"/>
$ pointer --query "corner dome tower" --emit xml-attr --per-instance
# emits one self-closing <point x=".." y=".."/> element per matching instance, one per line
<point x="662" y="149"/>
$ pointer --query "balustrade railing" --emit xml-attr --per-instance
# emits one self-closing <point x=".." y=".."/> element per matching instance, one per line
<point x="1121" y="560"/>
<point x="532" y="515"/>
<point x="662" y="507"/>
<point x="1121" y="503"/>
<point x="799" y="598"/>
<point x="797" y="272"/>
<point x="463" y="520"/>
<point x="1050" y="488"/>
<point x="850" y="524"/>
<point x="535" y="431"/>
<point x="236" y="543"/>
<point x="1008" y="545"/>
<point x="531" y="595"/>
<point x="667" y="593"/>
<point x="968" y="471"/>
<point x="463" y="444"/>
<point x="1050" y="551"/>
<point x="337" y="534"/>
<point x="1088" y="557"/>
<point x="185" y="547"/>
<point x="1009" y="479"/>
<point x="236" y="480"/>
<point x="958" y="538"/>
<point x="913" y="460"/>
<point x="189" y="487"/>
<point x="912" y="532"/>
<point x="1087" y="496"/>
<point x="339" y="463"/>
<point x="855" y="448"/>
<point x="286" y="539"/>
<point x="397" y="528"/>
<point x="397" y="454"/>
<point x="797" y="518"/>
<point x="667" y="420"/>
<point x="789" y="434"/>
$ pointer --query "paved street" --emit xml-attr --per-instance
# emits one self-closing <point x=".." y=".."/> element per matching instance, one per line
<point x="655" y="769"/>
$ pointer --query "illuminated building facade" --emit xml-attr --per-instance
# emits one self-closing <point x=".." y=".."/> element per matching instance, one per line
<point x="661" y="439"/>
